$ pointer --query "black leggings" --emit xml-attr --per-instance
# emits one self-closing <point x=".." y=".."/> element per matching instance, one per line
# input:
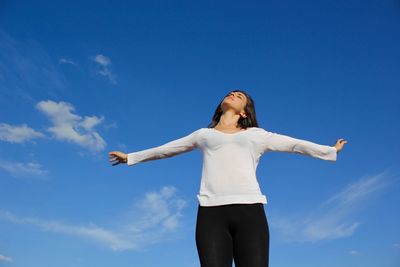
<point x="229" y="232"/>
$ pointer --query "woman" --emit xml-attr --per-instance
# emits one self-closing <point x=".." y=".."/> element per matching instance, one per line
<point x="231" y="221"/>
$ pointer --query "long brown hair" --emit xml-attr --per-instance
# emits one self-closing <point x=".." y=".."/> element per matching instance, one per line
<point x="250" y="110"/>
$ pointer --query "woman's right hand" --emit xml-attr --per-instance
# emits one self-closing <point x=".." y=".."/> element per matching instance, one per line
<point x="117" y="157"/>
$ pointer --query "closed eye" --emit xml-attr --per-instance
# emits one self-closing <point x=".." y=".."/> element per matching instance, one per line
<point x="240" y="95"/>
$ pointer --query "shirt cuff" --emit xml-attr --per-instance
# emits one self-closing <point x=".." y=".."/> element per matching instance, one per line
<point x="334" y="154"/>
<point x="131" y="159"/>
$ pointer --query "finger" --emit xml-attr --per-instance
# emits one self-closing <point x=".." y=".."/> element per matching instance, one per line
<point x="114" y="160"/>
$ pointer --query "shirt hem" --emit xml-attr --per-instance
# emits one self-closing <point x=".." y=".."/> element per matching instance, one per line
<point x="230" y="199"/>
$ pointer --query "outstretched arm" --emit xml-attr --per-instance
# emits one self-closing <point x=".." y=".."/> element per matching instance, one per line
<point x="172" y="148"/>
<point x="283" y="143"/>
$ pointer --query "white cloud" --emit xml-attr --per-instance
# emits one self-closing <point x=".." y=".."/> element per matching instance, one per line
<point x="66" y="61"/>
<point x="17" y="134"/>
<point x="102" y="60"/>
<point x="68" y="126"/>
<point x="354" y="253"/>
<point x="158" y="212"/>
<point x="104" y="63"/>
<point x="153" y="218"/>
<point x="23" y="169"/>
<point x="4" y="258"/>
<point x="333" y="218"/>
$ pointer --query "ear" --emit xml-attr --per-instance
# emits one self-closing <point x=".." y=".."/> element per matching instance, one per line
<point x="243" y="114"/>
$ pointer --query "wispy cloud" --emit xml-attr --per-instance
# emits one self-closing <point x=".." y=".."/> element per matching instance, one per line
<point x="356" y="192"/>
<point x="153" y="218"/>
<point x="333" y="218"/>
<point x="104" y="62"/>
<point x="18" y="133"/>
<point x="91" y="231"/>
<point x="4" y="258"/>
<point x="66" y="61"/>
<point x="354" y="253"/>
<point x="20" y="169"/>
<point x="68" y="126"/>
<point x="25" y="66"/>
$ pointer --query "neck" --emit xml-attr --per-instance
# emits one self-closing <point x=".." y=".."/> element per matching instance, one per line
<point x="229" y="119"/>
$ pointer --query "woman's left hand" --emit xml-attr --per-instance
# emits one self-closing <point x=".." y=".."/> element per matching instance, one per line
<point x="339" y="144"/>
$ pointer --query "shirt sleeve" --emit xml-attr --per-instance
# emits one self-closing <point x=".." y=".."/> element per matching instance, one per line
<point x="283" y="143"/>
<point x="172" y="148"/>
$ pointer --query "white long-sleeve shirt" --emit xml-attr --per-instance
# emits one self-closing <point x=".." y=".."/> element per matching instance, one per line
<point x="230" y="160"/>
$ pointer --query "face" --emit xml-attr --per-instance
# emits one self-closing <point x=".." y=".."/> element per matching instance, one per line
<point x="235" y="100"/>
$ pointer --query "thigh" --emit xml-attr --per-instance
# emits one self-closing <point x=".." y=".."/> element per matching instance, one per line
<point x="213" y="239"/>
<point x="251" y="236"/>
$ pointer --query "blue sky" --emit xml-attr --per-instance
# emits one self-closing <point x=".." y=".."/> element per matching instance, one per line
<point x="78" y="80"/>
